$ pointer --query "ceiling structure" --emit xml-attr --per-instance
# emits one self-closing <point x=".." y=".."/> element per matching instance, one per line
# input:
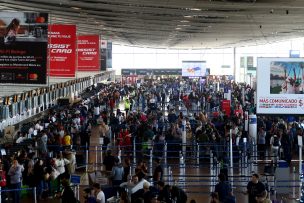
<point x="176" y="23"/>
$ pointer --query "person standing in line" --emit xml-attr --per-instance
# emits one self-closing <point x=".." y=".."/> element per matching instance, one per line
<point x="15" y="173"/>
<point x="275" y="144"/>
<point x="100" y="197"/>
<point x="261" y="142"/>
<point x="255" y="189"/>
<point x="158" y="171"/>
<point x="222" y="189"/>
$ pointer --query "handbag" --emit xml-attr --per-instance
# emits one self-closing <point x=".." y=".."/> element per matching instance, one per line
<point x="3" y="181"/>
<point x="54" y="174"/>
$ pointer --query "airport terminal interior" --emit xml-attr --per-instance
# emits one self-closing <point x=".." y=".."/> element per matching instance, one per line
<point x="149" y="101"/>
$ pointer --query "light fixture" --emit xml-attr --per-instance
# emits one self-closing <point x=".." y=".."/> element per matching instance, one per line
<point x="75" y="8"/>
<point x="178" y="28"/>
<point x="183" y="25"/>
<point x="184" y="21"/>
<point x="195" y="9"/>
<point x="188" y="16"/>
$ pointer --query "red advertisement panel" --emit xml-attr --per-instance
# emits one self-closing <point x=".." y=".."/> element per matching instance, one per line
<point x="88" y="53"/>
<point x="62" y="49"/>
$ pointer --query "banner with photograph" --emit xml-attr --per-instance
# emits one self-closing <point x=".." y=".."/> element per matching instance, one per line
<point x="88" y="53"/>
<point x="284" y="78"/>
<point x="23" y="47"/>
<point x="194" y="69"/>
<point x="62" y="50"/>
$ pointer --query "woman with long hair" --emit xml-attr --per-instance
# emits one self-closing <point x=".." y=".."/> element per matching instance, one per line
<point x="11" y="31"/>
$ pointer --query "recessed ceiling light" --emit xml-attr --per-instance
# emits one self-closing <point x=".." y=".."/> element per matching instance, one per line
<point x="188" y="16"/>
<point x="178" y="28"/>
<point x="184" y="21"/>
<point x="76" y="8"/>
<point x="195" y="9"/>
<point x="183" y="25"/>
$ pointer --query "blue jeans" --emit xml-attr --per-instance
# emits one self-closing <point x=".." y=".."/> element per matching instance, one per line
<point x="41" y="187"/>
<point x="16" y="194"/>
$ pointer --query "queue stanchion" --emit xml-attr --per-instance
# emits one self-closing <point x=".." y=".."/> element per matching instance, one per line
<point x="294" y="183"/>
<point x="101" y="142"/>
<point x="182" y="170"/>
<point x="211" y="169"/>
<point x="165" y="154"/>
<point x="184" y="137"/>
<point x="78" y="192"/>
<point x="87" y="158"/>
<point x="198" y="154"/>
<point x="119" y="154"/>
<point x="96" y="157"/>
<point x="35" y="194"/>
<point x="151" y="166"/>
<point x="134" y="156"/>
<point x="166" y="171"/>
<point x="231" y="158"/>
<point x="240" y="163"/>
<point x="300" y="144"/>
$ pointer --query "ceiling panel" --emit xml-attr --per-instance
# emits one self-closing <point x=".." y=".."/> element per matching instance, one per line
<point x="176" y="23"/>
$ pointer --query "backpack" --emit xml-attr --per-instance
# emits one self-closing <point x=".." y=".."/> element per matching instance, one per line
<point x="276" y="142"/>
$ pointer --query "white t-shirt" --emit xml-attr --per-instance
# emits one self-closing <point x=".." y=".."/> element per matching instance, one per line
<point x="101" y="197"/>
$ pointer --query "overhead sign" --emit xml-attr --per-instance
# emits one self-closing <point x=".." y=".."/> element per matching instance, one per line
<point x="23" y="48"/>
<point x="62" y="49"/>
<point x="88" y="53"/>
<point x="151" y="72"/>
<point x="242" y="62"/>
<point x="249" y="61"/>
<point x="194" y="69"/>
<point x="280" y="86"/>
<point x="294" y="53"/>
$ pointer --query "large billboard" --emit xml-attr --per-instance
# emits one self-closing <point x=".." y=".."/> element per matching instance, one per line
<point x="280" y="86"/>
<point x="62" y="49"/>
<point x="194" y="69"/>
<point x="88" y="53"/>
<point x="23" y="47"/>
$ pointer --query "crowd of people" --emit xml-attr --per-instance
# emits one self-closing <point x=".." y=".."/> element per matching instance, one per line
<point x="151" y="113"/>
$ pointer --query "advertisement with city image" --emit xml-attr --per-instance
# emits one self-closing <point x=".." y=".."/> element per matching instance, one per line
<point x="280" y="86"/>
<point x="23" y="47"/>
<point x="286" y="77"/>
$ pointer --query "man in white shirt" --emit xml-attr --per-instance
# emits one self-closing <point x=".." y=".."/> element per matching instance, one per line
<point x="275" y="144"/>
<point x="100" y="197"/>
<point x="21" y="137"/>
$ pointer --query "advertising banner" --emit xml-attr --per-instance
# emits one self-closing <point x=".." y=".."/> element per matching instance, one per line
<point x="23" y="47"/>
<point x="151" y="72"/>
<point x="62" y="50"/>
<point x="88" y="53"/>
<point x="194" y="69"/>
<point x="284" y="78"/>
